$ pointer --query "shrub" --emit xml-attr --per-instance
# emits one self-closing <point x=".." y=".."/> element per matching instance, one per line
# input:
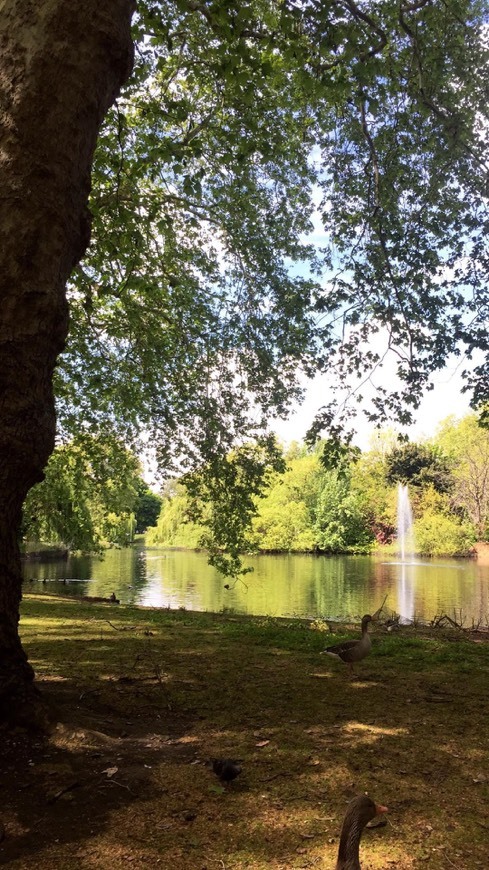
<point x="437" y="534"/>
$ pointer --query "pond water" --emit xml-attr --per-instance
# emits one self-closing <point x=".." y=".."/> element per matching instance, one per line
<point x="282" y="585"/>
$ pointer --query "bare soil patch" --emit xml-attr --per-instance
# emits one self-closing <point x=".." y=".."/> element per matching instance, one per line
<point x="482" y="552"/>
<point x="145" y="698"/>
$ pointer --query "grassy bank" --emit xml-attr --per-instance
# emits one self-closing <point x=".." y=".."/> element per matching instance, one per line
<point x="146" y="697"/>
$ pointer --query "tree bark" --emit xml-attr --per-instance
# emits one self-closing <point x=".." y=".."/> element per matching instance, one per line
<point x="62" y="63"/>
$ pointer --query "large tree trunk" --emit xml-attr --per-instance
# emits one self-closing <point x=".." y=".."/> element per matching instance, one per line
<point x="62" y="63"/>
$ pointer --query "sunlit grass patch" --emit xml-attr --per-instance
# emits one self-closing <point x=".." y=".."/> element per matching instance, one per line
<point x="373" y="730"/>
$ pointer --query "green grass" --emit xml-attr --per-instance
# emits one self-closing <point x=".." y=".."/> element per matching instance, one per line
<point x="184" y="687"/>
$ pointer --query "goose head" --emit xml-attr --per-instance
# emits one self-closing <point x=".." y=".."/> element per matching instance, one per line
<point x="360" y="810"/>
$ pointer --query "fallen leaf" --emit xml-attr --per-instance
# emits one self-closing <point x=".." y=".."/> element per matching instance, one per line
<point x="110" y="771"/>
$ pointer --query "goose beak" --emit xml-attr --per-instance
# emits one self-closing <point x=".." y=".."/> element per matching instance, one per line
<point x="379" y="809"/>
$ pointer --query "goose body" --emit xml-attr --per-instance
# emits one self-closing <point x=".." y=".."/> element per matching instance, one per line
<point x="351" y="651"/>
<point x="360" y="810"/>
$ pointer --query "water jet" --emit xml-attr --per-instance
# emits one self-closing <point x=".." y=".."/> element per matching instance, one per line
<point x="404" y="522"/>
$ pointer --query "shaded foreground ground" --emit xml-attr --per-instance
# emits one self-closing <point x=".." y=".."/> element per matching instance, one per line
<point x="144" y="698"/>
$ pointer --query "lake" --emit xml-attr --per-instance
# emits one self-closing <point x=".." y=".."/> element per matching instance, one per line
<point x="282" y="585"/>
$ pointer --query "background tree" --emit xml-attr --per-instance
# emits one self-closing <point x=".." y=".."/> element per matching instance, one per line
<point x="341" y="525"/>
<point x="88" y="497"/>
<point x="148" y="507"/>
<point x="467" y="445"/>
<point x="284" y="515"/>
<point x="223" y="498"/>
<point x="368" y="482"/>
<point x="174" y="527"/>
<point x="420" y="465"/>
<point x="304" y="509"/>
<point x="438" y="531"/>
<point x="309" y="508"/>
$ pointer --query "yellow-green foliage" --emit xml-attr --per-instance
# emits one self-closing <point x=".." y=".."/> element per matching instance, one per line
<point x="308" y="508"/>
<point x="283" y="520"/>
<point x="467" y="444"/>
<point x="174" y="528"/>
<point x="437" y="530"/>
<point x="437" y="534"/>
<point x="283" y="525"/>
<point x="88" y="496"/>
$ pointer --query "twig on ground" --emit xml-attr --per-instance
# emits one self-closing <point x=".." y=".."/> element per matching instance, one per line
<point x="449" y="859"/>
<point x="121" y="784"/>
<point x="275" y="776"/>
<point x="89" y="692"/>
<point x="377" y="613"/>
<point x="482" y="825"/>
<point x="124" y="627"/>
<point x="441" y="620"/>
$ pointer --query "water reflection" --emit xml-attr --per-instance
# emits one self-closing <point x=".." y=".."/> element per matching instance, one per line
<point x="284" y="585"/>
<point x="405" y="595"/>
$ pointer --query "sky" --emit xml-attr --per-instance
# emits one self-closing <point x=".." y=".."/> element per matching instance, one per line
<point x="444" y="400"/>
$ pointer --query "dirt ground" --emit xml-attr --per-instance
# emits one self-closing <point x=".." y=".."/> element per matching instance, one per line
<point x="144" y="699"/>
<point x="482" y="551"/>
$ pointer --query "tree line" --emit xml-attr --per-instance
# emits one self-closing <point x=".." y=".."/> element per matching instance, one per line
<point x="94" y="496"/>
<point x="352" y="507"/>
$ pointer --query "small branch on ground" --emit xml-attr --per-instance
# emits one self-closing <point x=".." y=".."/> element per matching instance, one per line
<point x="124" y="627"/>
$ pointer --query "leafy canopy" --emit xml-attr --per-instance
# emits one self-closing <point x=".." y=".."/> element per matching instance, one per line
<point x="420" y="465"/>
<point x="88" y="496"/>
<point x="202" y="302"/>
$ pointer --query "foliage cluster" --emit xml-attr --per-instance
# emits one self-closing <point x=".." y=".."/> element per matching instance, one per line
<point x="147" y="508"/>
<point x="92" y="495"/>
<point x="352" y="508"/>
<point x="202" y="301"/>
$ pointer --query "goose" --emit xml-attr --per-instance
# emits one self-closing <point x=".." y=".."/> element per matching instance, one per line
<point x="226" y="769"/>
<point x="361" y="810"/>
<point x="351" y="651"/>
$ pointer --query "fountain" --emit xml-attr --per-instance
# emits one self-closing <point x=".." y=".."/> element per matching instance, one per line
<point x="406" y="547"/>
<point x="404" y="522"/>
